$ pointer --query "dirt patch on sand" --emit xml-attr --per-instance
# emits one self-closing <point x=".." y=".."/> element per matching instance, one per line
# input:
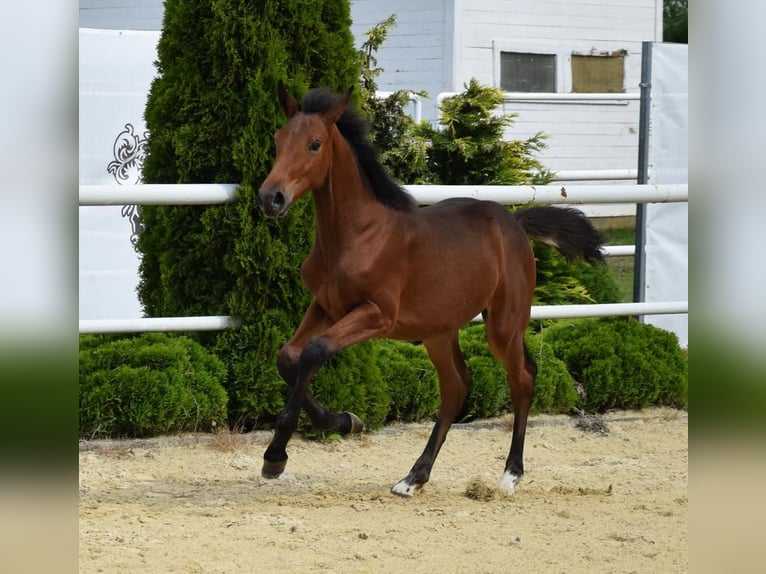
<point x="607" y="501"/>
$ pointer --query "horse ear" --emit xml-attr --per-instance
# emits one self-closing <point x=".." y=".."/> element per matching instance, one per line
<point x="287" y="101"/>
<point x="336" y="111"/>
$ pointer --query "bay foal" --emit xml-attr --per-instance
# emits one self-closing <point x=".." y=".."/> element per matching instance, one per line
<point x="382" y="267"/>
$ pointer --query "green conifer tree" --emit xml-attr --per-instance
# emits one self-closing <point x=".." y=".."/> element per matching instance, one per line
<point x="211" y="113"/>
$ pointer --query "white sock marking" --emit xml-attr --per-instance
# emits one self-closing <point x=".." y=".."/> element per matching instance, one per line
<point x="404" y="488"/>
<point x="508" y="482"/>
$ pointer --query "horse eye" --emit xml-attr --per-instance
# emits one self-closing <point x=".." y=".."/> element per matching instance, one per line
<point x="315" y="145"/>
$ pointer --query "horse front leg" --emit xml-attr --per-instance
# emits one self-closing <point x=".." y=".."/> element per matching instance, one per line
<point x="362" y="323"/>
<point x="313" y="356"/>
<point x="321" y="418"/>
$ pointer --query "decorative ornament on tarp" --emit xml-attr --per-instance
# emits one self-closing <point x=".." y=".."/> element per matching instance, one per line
<point x="129" y="154"/>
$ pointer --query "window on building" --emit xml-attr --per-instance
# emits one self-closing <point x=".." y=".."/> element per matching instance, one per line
<point x="523" y="72"/>
<point x="598" y="74"/>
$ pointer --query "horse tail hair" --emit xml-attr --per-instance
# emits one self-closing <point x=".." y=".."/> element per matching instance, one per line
<point x="565" y="228"/>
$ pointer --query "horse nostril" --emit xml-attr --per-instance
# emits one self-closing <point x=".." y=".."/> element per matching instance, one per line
<point x="272" y="202"/>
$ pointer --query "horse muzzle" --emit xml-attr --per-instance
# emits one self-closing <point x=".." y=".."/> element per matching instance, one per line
<point x="274" y="202"/>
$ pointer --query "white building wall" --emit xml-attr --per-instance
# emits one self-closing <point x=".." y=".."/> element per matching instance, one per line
<point x="581" y="25"/>
<point x="581" y="136"/>
<point x="471" y="34"/>
<point x="415" y="55"/>
<point x="122" y="14"/>
<point x="590" y="135"/>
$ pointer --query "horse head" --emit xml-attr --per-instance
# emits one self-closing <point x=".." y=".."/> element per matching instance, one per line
<point x="304" y="153"/>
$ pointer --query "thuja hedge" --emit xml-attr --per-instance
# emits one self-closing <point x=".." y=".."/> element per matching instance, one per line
<point x="613" y="362"/>
<point x="560" y="282"/>
<point x="147" y="385"/>
<point x="156" y="384"/>
<point x="622" y="363"/>
<point x="211" y="113"/>
<point x="490" y="395"/>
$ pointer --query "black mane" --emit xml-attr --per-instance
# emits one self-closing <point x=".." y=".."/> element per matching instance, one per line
<point x="354" y="129"/>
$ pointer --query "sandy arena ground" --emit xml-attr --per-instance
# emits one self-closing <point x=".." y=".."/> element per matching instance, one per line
<point x="589" y="502"/>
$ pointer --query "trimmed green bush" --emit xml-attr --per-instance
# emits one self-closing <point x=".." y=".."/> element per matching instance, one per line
<point x="490" y="395"/>
<point x="622" y="363"/>
<point x="257" y="394"/>
<point x="577" y="283"/>
<point x="560" y="282"/>
<point x="554" y="387"/>
<point x="352" y="381"/>
<point x="411" y="380"/>
<point x="148" y="385"/>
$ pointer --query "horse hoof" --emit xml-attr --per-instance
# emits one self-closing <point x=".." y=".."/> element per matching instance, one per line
<point x="357" y="425"/>
<point x="405" y="489"/>
<point x="509" y="481"/>
<point x="273" y="469"/>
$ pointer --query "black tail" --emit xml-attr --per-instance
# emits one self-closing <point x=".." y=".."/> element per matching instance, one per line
<point x="565" y="228"/>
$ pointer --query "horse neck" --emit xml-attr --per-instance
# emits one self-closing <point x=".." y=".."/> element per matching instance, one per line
<point x="344" y="206"/>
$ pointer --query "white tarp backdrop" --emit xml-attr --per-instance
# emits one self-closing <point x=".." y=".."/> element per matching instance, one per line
<point x="667" y="243"/>
<point x="116" y="70"/>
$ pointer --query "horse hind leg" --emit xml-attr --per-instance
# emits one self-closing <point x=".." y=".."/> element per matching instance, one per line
<point x="454" y="384"/>
<point x="521" y="370"/>
<point x="522" y="393"/>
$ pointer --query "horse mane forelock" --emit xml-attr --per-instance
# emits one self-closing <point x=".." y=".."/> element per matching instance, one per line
<point x="354" y="128"/>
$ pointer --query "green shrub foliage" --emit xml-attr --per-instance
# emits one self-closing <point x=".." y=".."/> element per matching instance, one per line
<point x="577" y="283"/>
<point x="352" y="381"/>
<point x="470" y="149"/>
<point x="211" y="115"/>
<point x="148" y="385"/>
<point x="414" y="387"/>
<point x="554" y="387"/>
<point x="622" y="363"/>
<point x="411" y="380"/>
<point x="560" y="282"/>
<point x="490" y="395"/>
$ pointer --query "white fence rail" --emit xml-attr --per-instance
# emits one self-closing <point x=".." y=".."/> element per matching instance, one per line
<point x="202" y="194"/>
<point x="146" y="324"/>
<point x="219" y="322"/>
<point x="553" y="194"/>
<point x="158" y="194"/>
